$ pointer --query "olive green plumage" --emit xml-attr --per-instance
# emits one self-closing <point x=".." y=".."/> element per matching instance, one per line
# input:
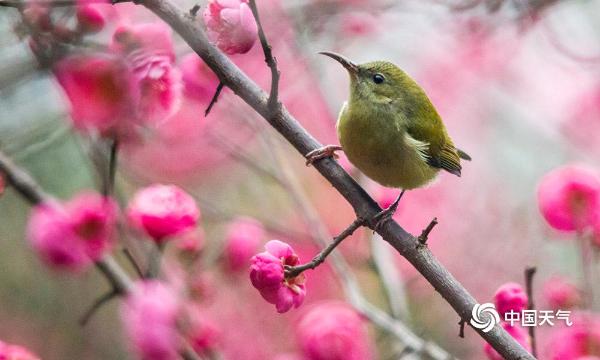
<point x="390" y="130"/>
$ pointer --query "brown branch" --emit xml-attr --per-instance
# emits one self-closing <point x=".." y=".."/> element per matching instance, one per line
<point x="364" y="206"/>
<point x="529" y="274"/>
<point x="273" y="103"/>
<point x="425" y="233"/>
<point x="293" y="271"/>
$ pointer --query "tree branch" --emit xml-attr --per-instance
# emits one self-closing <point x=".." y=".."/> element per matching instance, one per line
<point x="364" y="206"/>
<point x="294" y="271"/>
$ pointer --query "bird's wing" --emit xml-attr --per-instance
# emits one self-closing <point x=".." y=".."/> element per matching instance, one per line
<point x="447" y="159"/>
<point x="440" y="153"/>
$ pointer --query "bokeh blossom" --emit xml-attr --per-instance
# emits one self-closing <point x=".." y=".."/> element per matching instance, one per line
<point x="334" y="331"/>
<point x="149" y="315"/>
<point x="102" y="92"/>
<point x="518" y="333"/>
<point x="72" y="235"/>
<point x="561" y="294"/>
<point x="15" y="352"/>
<point x="243" y="237"/>
<point x="577" y="341"/>
<point x="569" y="197"/>
<point x="230" y="25"/>
<point x="148" y="49"/>
<point x="510" y="296"/>
<point x="267" y="275"/>
<point x="163" y="211"/>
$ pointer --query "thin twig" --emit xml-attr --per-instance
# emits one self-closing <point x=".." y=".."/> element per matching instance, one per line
<point x="461" y="328"/>
<point x="109" y="178"/>
<point x="529" y="274"/>
<point x="425" y="233"/>
<point x="194" y="10"/>
<point x="273" y="103"/>
<point x="214" y="99"/>
<point x="294" y="271"/>
<point x="133" y="262"/>
<point x="96" y="306"/>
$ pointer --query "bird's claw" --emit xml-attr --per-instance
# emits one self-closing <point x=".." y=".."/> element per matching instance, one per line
<point x="321" y="153"/>
<point x="383" y="216"/>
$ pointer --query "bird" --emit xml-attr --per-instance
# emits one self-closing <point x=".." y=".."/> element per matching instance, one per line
<point x="390" y="130"/>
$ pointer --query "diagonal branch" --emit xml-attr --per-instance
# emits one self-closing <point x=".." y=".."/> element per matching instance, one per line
<point x="364" y="206"/>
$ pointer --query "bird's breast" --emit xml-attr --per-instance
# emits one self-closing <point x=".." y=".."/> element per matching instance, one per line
<point x="376" y="144"/>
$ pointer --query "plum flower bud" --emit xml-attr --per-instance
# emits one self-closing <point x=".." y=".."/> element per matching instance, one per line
<point x="102" y="93"/>
<point x="149" y="316"/>
<point x="89" y="18"/>
<point x="243" y="237"/>
<point x="268" y="277"/>
<point x="569" y="197"/>
<point x="72" y="235"/>
<point x="561" y="294"/>
<point x="15" y="352"/>
<point x="333" y="331"/>
<point x="517" y="332"/>
<point x="202" y="332"/>
<point x="510" y="296"/>
<point x="162" y="211"/>
<point x="230" y="25"/>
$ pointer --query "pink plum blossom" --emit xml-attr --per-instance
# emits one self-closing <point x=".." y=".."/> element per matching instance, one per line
<point x="243" y="237"/>
<point x="148" y="49"/>
<point x="577" y="341"/>
<point x="569" y="197"/>
<point x="149" y="316"/>
<point x="70" y="236"/>
<point x="267" y="275"/>
<point x="15" y="352"/>
<point x="334" y="331"/>
<point x="517" y="332"/>
<point x="231" y="25"/>
<point x="102" y="91"/>
<point x="162" y="211"/>
<point x="561" y="294"/>
<point x="510" y="296"/>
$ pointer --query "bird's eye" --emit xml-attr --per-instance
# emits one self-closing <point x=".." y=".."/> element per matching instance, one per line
<point x="378" y="78"/>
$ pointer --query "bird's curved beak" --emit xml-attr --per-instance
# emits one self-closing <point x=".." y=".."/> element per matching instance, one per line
<point x="349" y="65"/>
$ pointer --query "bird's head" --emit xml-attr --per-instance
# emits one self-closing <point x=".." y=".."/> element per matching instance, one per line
<point x="378" y="81"/>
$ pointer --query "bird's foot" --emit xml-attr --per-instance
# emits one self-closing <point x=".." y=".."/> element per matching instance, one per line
<point x="383" y="216"/>
<point x="321" y="153"/>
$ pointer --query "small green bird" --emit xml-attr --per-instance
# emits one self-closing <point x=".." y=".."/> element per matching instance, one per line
<point x="390" y="130"/>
